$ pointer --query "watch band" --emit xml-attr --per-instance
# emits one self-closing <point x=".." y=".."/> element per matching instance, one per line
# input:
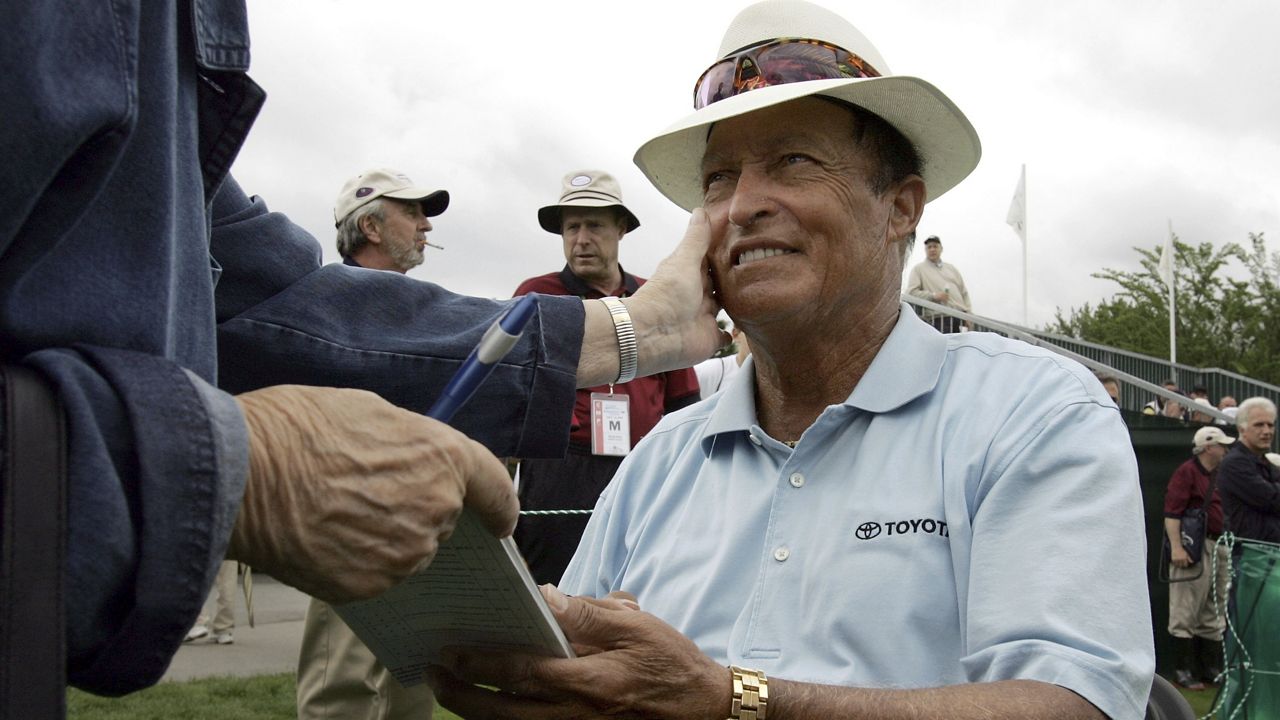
<point x="628" y="354"/>
<point x="750" y="694"/>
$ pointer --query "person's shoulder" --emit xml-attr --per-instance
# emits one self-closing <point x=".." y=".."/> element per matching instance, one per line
<point x="547" y="284"/>
<point x="1023" y="366"/>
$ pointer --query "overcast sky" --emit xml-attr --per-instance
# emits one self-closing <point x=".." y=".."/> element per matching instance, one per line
<point x="1128" y="115"/>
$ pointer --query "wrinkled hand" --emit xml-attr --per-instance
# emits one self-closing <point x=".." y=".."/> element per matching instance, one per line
<point x="675" y="311"/>
<point x="630" y="665"/>
<point x="348" y="494"/>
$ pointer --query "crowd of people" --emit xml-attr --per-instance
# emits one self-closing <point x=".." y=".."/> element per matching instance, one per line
<point x="872" y="515"/>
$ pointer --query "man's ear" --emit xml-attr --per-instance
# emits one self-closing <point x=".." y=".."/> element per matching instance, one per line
<point x="907" y="206"/>
<point x="369" y="227"/>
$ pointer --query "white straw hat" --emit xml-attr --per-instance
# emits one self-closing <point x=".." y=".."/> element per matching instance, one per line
<point x="947" y="143"/>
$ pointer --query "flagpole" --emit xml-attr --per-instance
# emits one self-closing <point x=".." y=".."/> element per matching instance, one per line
<point x="1025" y="320"/>
<point x="1173" y="307"/>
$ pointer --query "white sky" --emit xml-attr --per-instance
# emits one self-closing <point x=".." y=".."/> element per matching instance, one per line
<point x="1127" y="115"/>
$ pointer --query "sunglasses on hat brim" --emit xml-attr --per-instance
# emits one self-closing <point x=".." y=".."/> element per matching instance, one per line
<point x="777" y="62"/>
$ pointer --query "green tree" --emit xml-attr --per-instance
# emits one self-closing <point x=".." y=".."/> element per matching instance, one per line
<point x="1222" y="321"/>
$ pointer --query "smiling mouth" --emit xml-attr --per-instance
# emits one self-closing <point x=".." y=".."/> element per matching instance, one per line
<point x="751" y="256"/>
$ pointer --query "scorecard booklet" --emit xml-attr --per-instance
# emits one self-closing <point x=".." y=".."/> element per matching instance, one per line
<point x="476" y="593"/>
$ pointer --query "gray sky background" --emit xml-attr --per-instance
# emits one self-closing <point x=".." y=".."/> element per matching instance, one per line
<point x="1128" y="115"/>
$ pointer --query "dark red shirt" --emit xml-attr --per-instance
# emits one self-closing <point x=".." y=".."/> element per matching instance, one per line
<point x="1187" y="489"/>
<point x="651" y="396"/>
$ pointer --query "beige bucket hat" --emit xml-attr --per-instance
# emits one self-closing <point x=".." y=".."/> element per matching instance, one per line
<point x="585" y="188"/>
<point x="947" y="143"/>
<point x="385" y="182"/>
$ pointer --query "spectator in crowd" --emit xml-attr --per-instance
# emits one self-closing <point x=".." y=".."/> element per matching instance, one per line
<point x="1198" y="416"/>
<point x="218" y="615"/>
<point x="591" y="220"/>
<point x="941" y="282"/>
<point x="382" y="221"/>
<point x="1111" y="384"/>
<point x="1165" y="407"/>
<point x="1228" y="407"/>
<point x="1250" y="484"/>
<point x="1197" y="588"/>
<point x="713" y="373"/>
<point x="870" y="520"/>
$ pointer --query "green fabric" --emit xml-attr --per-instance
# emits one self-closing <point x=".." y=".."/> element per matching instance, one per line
<point x="1252" y="687"/>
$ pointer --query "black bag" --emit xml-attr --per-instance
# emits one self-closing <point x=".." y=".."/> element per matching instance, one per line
<point x="1195" y="524"/>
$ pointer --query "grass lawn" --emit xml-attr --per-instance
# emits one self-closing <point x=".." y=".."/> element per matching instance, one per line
<point x="267" y="697"/>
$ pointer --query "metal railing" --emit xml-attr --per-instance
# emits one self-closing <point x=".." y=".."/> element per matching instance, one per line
<point x="1140" y="375"/>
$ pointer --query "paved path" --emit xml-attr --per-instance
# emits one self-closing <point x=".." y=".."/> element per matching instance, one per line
<point x="271" y="646"/>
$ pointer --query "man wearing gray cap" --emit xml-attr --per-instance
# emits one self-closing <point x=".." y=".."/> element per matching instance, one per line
<point x="591" y="219"/>
<point x="382" y="220"/>
<point x="870" y="520"/>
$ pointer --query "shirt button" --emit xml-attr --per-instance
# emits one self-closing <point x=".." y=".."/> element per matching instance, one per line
<point x="781" y="554"/>
<point x="797" y="480"/>
<point x="755" y="440"/>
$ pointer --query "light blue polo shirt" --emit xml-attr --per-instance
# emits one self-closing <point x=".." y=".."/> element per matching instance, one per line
<point x="970" y="513"/>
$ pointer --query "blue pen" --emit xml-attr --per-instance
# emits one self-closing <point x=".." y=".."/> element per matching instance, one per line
<point x="497" y="341"/>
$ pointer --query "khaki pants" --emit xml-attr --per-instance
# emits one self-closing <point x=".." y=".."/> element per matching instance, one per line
<point x="1192" y="609"/>
<point x="339" y="678"/>
<point x="219" y="613"/>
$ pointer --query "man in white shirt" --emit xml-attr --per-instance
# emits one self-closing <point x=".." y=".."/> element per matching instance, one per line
<point x="940" y="282"/>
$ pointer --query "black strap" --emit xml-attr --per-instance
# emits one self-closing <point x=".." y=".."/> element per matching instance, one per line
<point x="33" y="481"/>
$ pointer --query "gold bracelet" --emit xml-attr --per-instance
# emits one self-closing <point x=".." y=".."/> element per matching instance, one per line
<point x="750" y="694"/>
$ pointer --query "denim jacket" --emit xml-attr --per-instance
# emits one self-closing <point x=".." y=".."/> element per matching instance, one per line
<point x="129" y="258"/>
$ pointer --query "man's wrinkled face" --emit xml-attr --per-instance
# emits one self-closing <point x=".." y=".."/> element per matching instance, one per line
<point x="591" y="237"/>
<point x="796" y="229"/>
<point x="403" y="233"/>
<point x="1258" y="430"/>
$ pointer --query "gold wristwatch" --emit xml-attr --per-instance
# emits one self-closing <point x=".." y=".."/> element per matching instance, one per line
<point x="750" y="694"/>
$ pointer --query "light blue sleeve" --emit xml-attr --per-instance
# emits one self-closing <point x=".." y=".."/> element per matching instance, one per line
<point x="1056" y="588"/>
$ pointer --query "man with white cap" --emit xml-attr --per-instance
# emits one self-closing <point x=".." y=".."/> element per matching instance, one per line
<point x="871" y="520"/>
<point x="591" y="220"/>
<point x="1197" y="586"/>
<point x="941" y="282"/>
<point x="383" y="220"/>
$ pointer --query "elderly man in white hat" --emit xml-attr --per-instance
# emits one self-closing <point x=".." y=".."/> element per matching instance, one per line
<point x="591" y="220"/>
<point x="872" y="519"/>
<point x="383" y="220"/>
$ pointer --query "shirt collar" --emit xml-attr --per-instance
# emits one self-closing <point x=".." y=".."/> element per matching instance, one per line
<point x="576" y="286"/>
<point x="907" y="366"/>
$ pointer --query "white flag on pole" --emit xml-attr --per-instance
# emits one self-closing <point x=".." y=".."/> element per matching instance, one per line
<point x="1017" y="217"/>
<point x="1166" y="259"/>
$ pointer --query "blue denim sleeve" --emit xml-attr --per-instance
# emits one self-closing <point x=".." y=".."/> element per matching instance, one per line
<point x="159" y="464"/>
<point x="285" y="318"/>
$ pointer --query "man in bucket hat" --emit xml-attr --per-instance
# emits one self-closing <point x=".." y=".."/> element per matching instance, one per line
<point x="383" y="220"/>
<point x="591" y="219"/>
<point x="872" y="519"/>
